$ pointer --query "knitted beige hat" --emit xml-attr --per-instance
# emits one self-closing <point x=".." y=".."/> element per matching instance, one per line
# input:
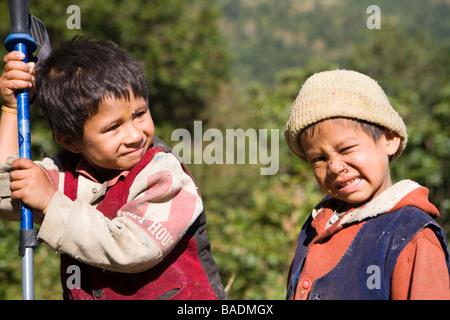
<point x="341" y="93"/>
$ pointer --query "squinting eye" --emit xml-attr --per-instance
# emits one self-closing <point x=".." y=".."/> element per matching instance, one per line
<point x="139" y="114"/>
<point x="112" y="128"/>
<point x="317" y="159"/>
<point x="348" y="149"/>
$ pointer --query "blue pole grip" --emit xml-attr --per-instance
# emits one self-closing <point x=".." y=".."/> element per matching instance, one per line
<point x="23" y="121"/>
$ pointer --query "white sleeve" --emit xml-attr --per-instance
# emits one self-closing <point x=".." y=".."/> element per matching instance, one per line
<point x="163" y="202"/>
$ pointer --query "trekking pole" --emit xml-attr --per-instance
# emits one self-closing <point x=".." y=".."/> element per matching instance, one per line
<point x="20" y="40"/>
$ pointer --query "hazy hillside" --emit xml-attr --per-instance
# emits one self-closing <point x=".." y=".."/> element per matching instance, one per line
<point x="265" y="36"/>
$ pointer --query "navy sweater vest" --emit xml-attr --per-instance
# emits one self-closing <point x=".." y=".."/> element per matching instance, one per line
<point x="365" y="270"/>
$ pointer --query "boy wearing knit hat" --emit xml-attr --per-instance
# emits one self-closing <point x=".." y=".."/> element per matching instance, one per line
<point x="368" y="238"/>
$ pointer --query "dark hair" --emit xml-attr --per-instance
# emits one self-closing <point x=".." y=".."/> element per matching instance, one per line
<point x="73" y="81"/>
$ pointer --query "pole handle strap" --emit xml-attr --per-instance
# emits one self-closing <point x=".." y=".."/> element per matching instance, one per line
<point x="28" y="239"/>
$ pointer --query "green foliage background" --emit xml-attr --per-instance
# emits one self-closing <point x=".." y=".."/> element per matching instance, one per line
<point x="240" y="64"/>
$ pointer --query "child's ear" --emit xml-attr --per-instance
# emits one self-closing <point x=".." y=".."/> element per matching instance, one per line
<point x="67" y="143"/>
<point x="392" y="142"/>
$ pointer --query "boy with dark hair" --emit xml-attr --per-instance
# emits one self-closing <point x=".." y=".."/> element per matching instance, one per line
<point x="116" y="202"/>
<point x="368" y="238"/>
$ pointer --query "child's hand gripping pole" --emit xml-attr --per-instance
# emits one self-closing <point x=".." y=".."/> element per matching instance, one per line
<point x="20" y="40"/>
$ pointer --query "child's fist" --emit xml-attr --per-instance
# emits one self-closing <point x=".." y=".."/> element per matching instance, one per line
<point x="16" y="75"/>
<point x="30" y="184"/>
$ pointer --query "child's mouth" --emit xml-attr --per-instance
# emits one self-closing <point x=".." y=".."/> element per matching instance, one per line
<point x="350" y="185"/>
<point x="133" y="153"/>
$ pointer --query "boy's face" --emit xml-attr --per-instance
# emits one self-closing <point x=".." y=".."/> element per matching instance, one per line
<point x="117" y="137"/>
<point x="347" y="163"/>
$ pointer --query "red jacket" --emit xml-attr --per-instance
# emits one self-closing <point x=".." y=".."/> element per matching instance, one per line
<point x="420" y="271"/>
<point x="188" y="272"/>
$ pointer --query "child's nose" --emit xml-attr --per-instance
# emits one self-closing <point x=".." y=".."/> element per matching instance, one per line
<point x="336" y="166"/>
<point x="132" y="134"/>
